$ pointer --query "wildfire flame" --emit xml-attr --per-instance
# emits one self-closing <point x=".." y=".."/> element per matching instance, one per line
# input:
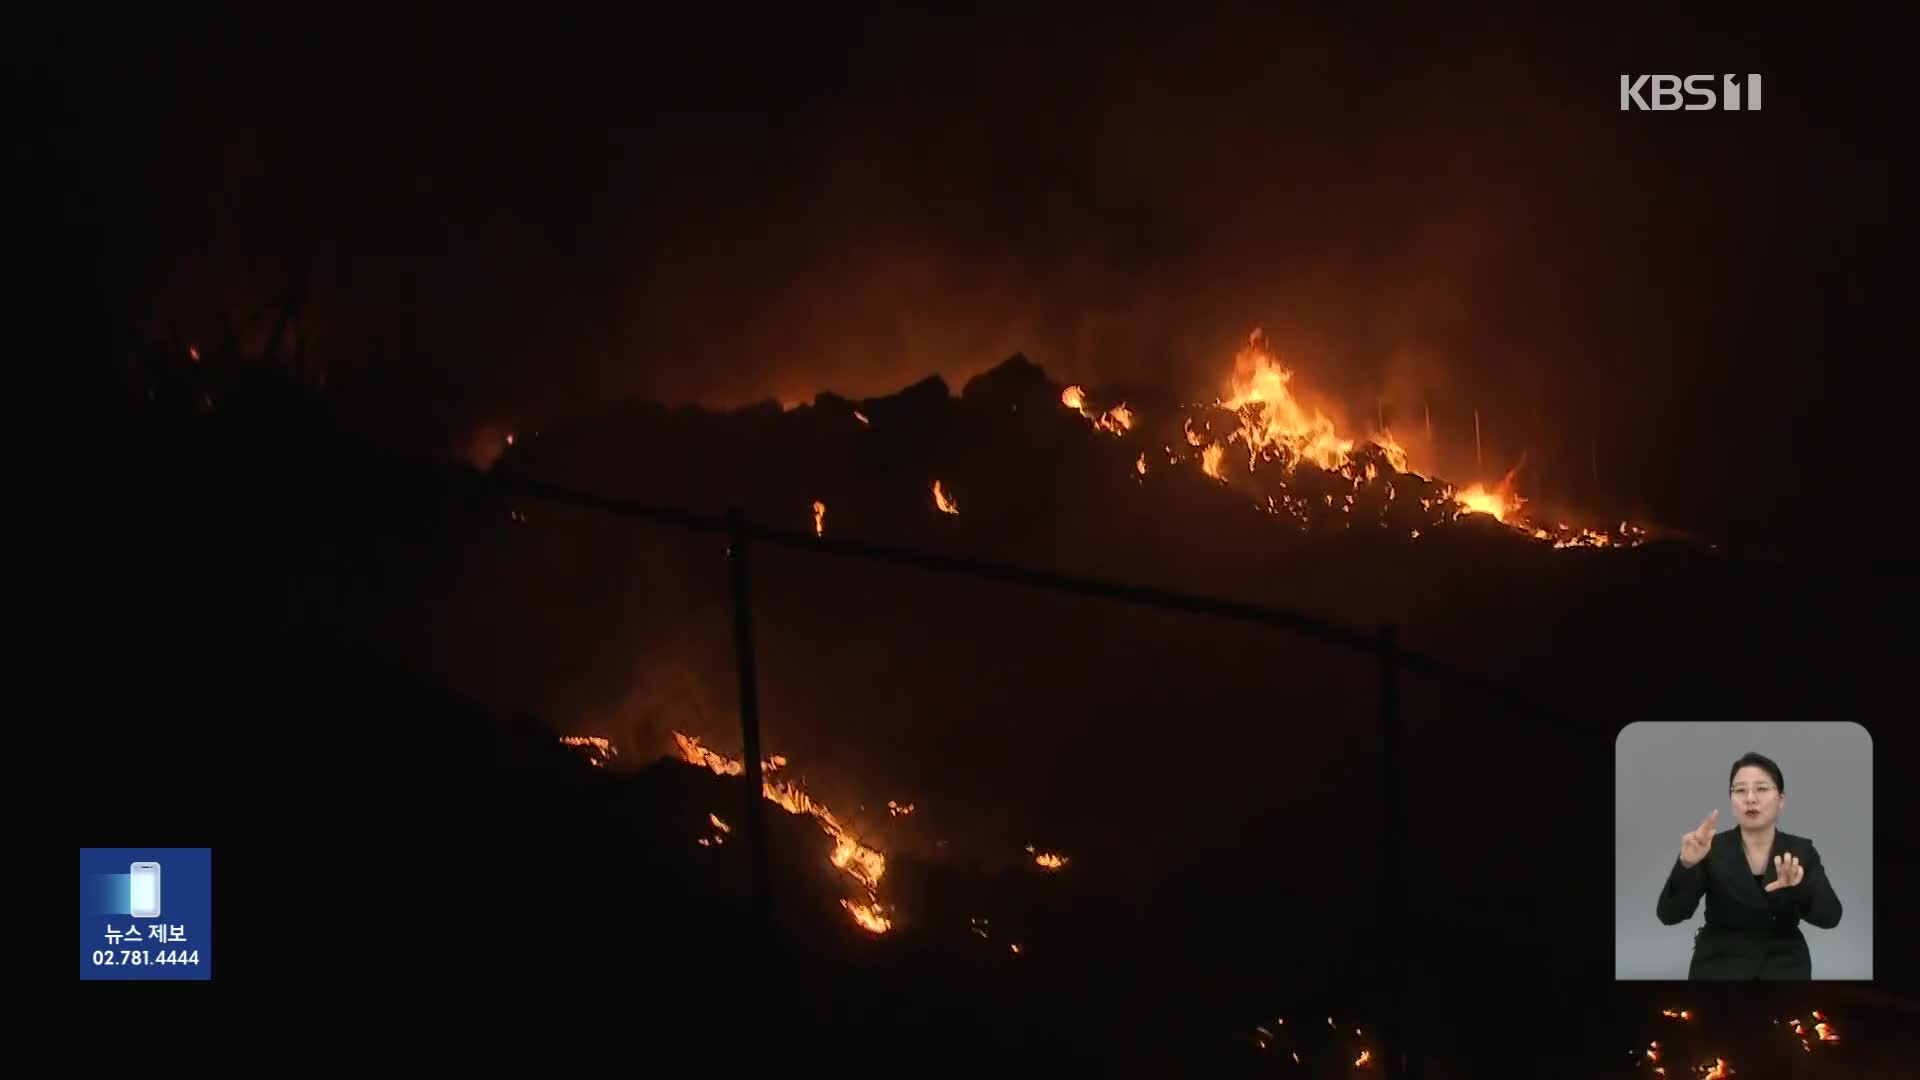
<point x="869" y="916"/>
<point x="1210" y="462"/>
<point x="1117" y="420"/>
<point x="1276" y="426"/>
<point x="1047" y="860"/>
<point x="1270" y="419"/>
<point x="819" y="518"/>
<point x="943" y="501"/>
<point x="598" y="751"/>
<point x="858" y="861"/>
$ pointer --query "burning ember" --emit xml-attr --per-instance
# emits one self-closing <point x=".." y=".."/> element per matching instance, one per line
<point x="895" y="809"/>
<point x="1295" y="453"/>
<point x="862" y="417"/>
<point x="943" y="501"/>
<point x="819" y="518"/>
<point x="1047" y="860"/>
<point x="1495" y="504"/>
<point x="1720" y="1070"/>
<point x="1361" y="1061"/>
<point x="598" y="751"/>
<point x="1271" y="421"/>
<point x="852" y="858"/>
<point x="1210" y="462"/>
<point x="1680" y="1014"/>
<point x="868" y="916"/>
<point x="1117" y="420"/>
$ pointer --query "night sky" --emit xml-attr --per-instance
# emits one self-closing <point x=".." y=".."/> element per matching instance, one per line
<point x="514" y="219"/>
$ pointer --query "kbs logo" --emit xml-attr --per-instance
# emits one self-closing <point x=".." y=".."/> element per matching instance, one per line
<point x="1665" y="91"/>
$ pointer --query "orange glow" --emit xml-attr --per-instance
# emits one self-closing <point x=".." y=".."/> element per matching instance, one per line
<point x="820" y="518"/>
<point x="871" y="917"/>
<point x="1361" y="1061"/>
<point x="1210" y="462"/>
<point x="1047" y="860"/>
<point x="1270" y="418"/>
<point x="863" y="864"/>
<point x="1720" y="1071"/>
<point x="598" y="751"/>
<point x="1825" y="1031"/>
<point x="1496" y="503"/>
<point x="943" y="501"/>
<point x="1117" y="420"/>
<point x="1275" y="425"/>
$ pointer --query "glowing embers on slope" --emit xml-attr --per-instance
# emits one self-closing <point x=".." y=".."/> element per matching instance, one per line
<point x="1294" y="453"/>
<point x="1047" y="860"/>
<point x="596" y="750"/>
<point x="863" y="864"/>
<point x="1115" y="421"/>
<point x="1272" y="421"/>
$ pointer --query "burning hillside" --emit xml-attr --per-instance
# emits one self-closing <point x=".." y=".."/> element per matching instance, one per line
<point x="861" y="864"/>
<point x="1301" y="469"/>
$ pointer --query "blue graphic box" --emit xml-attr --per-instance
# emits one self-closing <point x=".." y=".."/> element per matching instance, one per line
<point x="120" y="891"/>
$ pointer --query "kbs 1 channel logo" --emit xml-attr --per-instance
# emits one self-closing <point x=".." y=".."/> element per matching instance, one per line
<point x="1691" y="93"/>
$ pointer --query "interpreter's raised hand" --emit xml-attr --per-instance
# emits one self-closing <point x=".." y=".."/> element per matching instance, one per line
<point x="1787" y="872"/>
<point x="1694" y="845"/>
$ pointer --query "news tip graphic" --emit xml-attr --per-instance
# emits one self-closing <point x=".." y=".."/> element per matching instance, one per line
<point x="146" y="913"/>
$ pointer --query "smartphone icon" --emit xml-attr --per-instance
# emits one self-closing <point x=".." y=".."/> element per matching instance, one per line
<point x="146" y="890"/>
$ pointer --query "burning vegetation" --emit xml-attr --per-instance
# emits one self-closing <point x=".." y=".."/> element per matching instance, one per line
<point x="863" y="865"/>
<point x="1300" y="468"/>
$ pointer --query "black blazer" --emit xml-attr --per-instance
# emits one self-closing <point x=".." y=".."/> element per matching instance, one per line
<point x="1750" y="933"/>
